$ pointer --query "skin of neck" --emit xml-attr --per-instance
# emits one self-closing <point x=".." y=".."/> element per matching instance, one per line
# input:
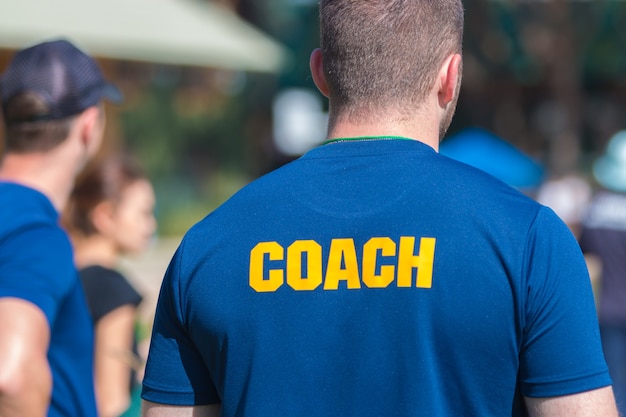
<point x="38" y="171"/>
<point x="53" y="172"/>
<point x="95" y="250"/>
<point x="423" y="129"/>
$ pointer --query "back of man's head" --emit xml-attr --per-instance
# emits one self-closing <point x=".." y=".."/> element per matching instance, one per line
<point x="385" y="54"/>
<point x="43" y="88"/>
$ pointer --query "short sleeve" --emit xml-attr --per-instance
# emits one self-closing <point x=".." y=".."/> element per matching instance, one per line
<point x="107" y="290"/>
<point x="561" y="352"/>
<point x="175" y="371"/>
<point x="36" y="264"/>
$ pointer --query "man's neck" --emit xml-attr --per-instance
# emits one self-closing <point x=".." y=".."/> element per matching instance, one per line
<point x="37" y="171"/>
<point x="422" y="131"/>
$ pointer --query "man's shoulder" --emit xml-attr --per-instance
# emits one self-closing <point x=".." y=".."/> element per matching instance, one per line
<point x="24" y="209"/>
<point x="20" y="200"/>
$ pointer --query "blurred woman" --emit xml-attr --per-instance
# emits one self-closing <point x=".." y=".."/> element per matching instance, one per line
<point x="110" y="214"/>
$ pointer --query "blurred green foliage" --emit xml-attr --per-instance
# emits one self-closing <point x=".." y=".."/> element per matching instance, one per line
<point x="203" y="134"/>
<point x="195" y="143"/>
<point x="203" y="137"/>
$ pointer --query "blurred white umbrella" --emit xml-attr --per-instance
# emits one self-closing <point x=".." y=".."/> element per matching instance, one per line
<point x="179" y="32"/>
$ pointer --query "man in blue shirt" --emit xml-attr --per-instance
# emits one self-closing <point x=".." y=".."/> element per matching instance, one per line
<point x="54" y="119"/>
<point x="373" y="276"/>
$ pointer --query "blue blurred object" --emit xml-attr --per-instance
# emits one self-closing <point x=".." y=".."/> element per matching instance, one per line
<point x="492" y="154"/>
<point x="610" y="169"/>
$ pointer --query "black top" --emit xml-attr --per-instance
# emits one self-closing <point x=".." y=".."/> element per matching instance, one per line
<point x="106" y="289"/>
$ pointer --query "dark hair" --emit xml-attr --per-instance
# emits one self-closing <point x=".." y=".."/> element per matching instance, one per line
<point x="382" y="53"/>
<point x="105" y="179"/>
<point x="24" y="133"/>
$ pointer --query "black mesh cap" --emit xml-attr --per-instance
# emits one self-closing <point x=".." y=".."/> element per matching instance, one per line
<point x="66" y="78"/>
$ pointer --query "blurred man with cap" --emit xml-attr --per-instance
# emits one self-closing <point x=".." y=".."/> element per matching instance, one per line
<point x="603" y="236"/>
<point x="52" y="97"/>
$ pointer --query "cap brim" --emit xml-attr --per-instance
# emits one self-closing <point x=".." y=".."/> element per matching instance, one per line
<point x="112" y="93"/>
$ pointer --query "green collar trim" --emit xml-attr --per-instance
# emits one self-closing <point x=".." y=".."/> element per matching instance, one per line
<point x="365" y="138"/>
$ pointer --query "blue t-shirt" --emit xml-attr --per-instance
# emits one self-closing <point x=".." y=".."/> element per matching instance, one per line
<point x="375" y="278"/>
<point x="36" y="264"/>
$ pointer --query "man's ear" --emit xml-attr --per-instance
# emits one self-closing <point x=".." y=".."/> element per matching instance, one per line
<point x="316" y="64"/>
<point x="91" y="129"/>
<point x="449" y="79"/>
<point x="88" y="122"/>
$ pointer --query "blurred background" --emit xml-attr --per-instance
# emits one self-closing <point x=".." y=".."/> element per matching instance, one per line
<point x="218" y="92"/>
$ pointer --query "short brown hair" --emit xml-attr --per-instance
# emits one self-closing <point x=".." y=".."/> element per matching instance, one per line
<point x="26" y="132"/>
<point x="105" y="179"/>
<point x="381" y="53"/>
